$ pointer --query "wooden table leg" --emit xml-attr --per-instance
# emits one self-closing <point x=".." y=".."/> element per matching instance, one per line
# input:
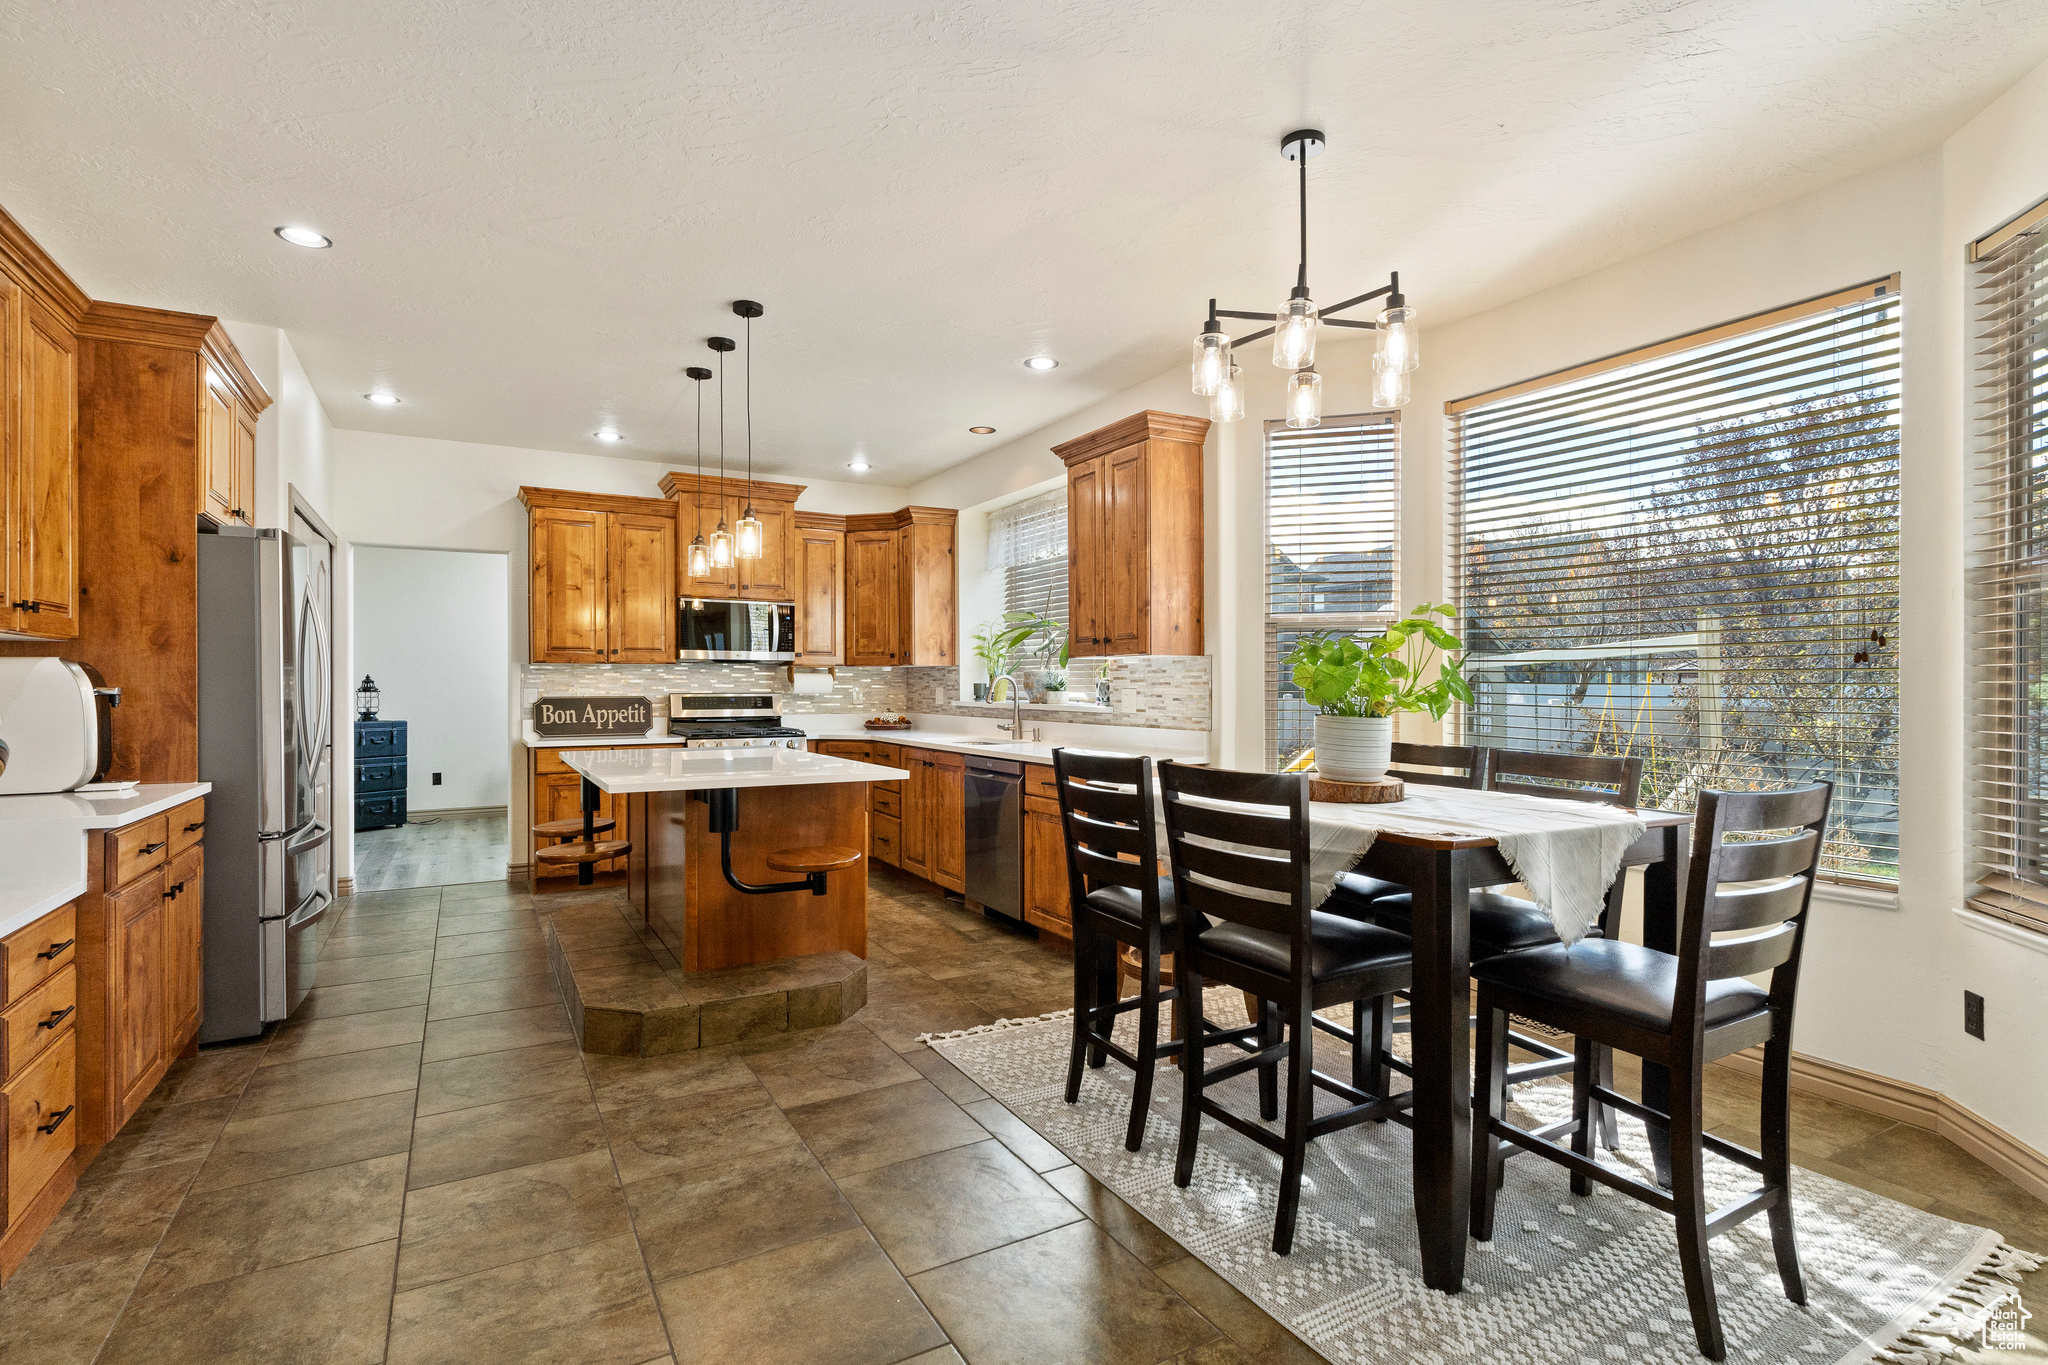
<point x="1439" y="1034"/>
<point x="1663" y="887"/>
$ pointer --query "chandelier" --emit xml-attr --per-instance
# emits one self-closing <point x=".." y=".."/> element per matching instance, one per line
<point x="1218" y="378"/>
<point x="699" y="565"/>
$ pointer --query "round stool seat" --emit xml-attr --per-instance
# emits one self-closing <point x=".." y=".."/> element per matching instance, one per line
<point x="595" y="851"/>
<point x="571" y="829"/>
<point x="822" y="858"/>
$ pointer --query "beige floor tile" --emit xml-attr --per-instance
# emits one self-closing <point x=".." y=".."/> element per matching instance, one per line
<point x="462" y="1143"/>
<point x="377" y="943"/>
<point x="233" y="1231"/>
<point x="363" y="997"/>
<point x="490" y="1220"/>
<point x="1243" y="1321"/>
<point x="60" y="1314"/>
<point x="591" y="1304"/>
<point x="945" y="1355"/>
<point x="388" y="921"/>
<point x="823" y="1064"/>
<point x="491" y="966"/>
<point x="665" y="1134"/>
<point x="1068" y="1294"/>
<point x="498" y="1032"/>
<point x="491" y="1077"/>
<point x="116" y="1215"/>
<point x="1135" y="1232"/>
<point x="708" y="1215"/>
<point x="900" y="1019"/>
<point x="330" y="1080"/>
<point x="621" y="1081"/>
<point x="216" y="1073"/>
<point x="1017" y="1135"/>
<point x="350" y="970"/>
<point x="273" y="1145"/>
<point x="331" y="1310"/>
<point x="834" y="1300"/>
<point x="464" y="892"/>
<point x="947" y="1077"/>
<point x="296" y="1040"/>
<point x="161" y="1135"/>
<point x="462" y="920"/>
<point x="879" y="1127"/>
<point x="491" y="997"/>
<point x="500" y="941"/>
<point x="956" y="1203"/>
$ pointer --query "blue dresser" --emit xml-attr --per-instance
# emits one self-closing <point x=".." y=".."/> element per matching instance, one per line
<point x="380" y="773"/>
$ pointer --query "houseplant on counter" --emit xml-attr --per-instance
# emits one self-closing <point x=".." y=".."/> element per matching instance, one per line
<point x="1358" y="684"/>
<point x="995" y="641"/>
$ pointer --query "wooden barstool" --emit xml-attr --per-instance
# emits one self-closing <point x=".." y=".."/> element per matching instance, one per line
<point x="582" y="855"/>
<point x="567" y="830"/>
<point x="814" y="861"/>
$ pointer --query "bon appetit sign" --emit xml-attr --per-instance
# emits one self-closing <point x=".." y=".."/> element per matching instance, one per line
<point x="589" y="717"/>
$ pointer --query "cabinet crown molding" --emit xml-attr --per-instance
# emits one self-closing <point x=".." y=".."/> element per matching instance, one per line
<point x="820" y="521"/>
<point x="1149" y="425"/>
<point x="40" y="273"/>
<point x="675" y="483"/>
<point x="193" y="332"/>
<point x="596" y="502"/>
<point x="901" y="517"/>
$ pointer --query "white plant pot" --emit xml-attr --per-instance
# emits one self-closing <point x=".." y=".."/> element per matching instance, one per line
<point x="1354" y="748"/>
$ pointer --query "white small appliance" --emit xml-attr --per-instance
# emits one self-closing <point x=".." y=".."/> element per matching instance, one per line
<point x="56" y="725"/>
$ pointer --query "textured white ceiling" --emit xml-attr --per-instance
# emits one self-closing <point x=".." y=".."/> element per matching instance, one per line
<point x="541" y="209"/>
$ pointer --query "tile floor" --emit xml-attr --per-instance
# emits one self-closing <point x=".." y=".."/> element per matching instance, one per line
<point x="431" y="851"/>
<point x="422" y="1167"/>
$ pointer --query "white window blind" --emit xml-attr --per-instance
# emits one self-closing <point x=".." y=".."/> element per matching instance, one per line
<point x="2011" y="571"/>
<point x="1333" y="513"/>
<point x="1691" y="554"/>
<point x="1027" y="543"/>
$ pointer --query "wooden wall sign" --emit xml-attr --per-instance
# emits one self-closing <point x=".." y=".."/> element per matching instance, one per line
<point x="591" y="717"/>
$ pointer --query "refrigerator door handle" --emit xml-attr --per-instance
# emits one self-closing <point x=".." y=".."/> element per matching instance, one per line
<point x="320" y="830"/>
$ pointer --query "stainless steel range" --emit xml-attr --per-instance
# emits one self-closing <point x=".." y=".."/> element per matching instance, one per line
<point x="747" y="721"/>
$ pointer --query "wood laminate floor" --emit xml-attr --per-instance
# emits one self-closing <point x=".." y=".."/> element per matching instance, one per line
<point x="421" y="1167"/>
<point x="431" y="851"/>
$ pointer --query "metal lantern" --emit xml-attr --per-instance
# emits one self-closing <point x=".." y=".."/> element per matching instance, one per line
<point x="367" y="698"/>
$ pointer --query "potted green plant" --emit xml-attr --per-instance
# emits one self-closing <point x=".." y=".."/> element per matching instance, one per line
<point x="1358" y="684"/>
<point x="995" y="641"/>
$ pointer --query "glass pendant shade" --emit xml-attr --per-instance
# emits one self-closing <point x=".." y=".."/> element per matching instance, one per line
<point x="1304" y="399"/>
<point x="1294" y="334"/>
<point x="700" y="558"/>
<point x="1389" y="388"/>
<point x="1226" y="404"/>
<point x="1212" y="362"/>
<point x="1400" y="346"/>
<point x="721" y="547"/>
<point x="749" y="546"/>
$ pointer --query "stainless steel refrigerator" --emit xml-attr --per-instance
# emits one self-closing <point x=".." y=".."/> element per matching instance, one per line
<point x="265" y="738"/>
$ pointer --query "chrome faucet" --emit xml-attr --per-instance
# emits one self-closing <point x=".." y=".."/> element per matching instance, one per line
<point x="1015" y="727"/>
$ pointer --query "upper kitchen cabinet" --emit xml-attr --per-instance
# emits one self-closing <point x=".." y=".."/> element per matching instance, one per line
<point x="820" y="589"/>
<point x="900" y="587"/>
<point x="1134" y="536"/>
<point x="701" y="503"/>
<point x="39" y="312"/>
<point x="603" y="578"/>
<point x="227" y="452"/>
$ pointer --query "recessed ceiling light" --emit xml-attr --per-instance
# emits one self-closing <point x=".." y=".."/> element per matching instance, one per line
<point x="1041" y="362"/>
<point x="608" y="436"/>
<point x="382" y="399"/>
<point x="304" y="236"/>
<point x="983" y="431"/>
<point x="858" y="464"/>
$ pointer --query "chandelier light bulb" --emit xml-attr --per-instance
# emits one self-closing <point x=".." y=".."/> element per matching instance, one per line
<point x="1400" y="346"/>
<point x="1304" y="399"/>
<point x="749" y="543"/>
<point x="1389" y="387"/>
<point x="1294" y="334"/>
<point x="1212" y="356"/>
<point x="1226" y="404"/>
<point x="700" y="558"/>
<point x="721" y="547"/>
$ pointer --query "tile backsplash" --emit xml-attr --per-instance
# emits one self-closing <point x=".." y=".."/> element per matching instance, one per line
<point x="1156" y="692"/>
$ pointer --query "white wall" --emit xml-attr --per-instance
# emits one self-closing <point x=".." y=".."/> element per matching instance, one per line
<point x="430" y="627"/>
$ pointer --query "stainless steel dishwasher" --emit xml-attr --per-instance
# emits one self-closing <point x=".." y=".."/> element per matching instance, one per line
<point x="995" y="837"/>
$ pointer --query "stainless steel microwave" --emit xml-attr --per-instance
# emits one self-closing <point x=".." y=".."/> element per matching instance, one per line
<point x="763" y="632"/>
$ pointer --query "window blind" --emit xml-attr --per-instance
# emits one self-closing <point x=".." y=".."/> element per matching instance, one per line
<point x="1032" y="529"/>
<point x="2010" y="572"/>
<point x="1333" y="510"/>
<point x="1691" y="555"/>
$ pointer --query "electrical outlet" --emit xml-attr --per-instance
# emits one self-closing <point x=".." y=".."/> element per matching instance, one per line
<point x="1973" y="1014"/>
<point x="437" y="779"/>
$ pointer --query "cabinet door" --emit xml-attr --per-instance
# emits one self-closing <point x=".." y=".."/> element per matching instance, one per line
<point x="916" y="843"/>
<point x="1087" y="615"/>
<point x="1125" y="580"/>
<point x="184" y="916"/>
<point x="772" y="577"/>
<point x="949" y="821"/>
<point x="1045" y="868"/>
<point x="569" y="586"/>
<point x="820" y="595"/>
<point x="135" y="975"/>
<point x="217" y="453"/>
<point x="699" y="514"/>
<point x="871" y="633"/>
<point x="643" y="589"/>
<point x="926" y="627"/>
<point x="44" y="590"/>
<point x="242" y="453"/>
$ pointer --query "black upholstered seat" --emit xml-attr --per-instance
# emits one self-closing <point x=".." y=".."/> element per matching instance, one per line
<point x="1631" y="983"/>
<point x="1500" y="923"/>
<point x="1338" y="947"/>
<point x="1355" y="894"/>
<point x="1126" y="904"/>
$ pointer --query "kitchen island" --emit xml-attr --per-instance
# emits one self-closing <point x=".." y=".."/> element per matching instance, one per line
<point x="707" y="822"/>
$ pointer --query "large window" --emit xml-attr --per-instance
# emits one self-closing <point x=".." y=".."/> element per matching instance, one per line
<point x="1691" y="554"/>
<point x="1333" y="502"/>
<point x="2011" y="570"/>
<point x="1027" y="544"/>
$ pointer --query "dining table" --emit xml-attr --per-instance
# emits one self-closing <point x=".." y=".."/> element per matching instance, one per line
<point x="1442" y="869"/>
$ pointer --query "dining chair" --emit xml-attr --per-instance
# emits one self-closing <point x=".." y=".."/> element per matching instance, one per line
<point x="1107" y="804"/>
<point x="1680" y="1011"/>
<point x="1239" y="847"/>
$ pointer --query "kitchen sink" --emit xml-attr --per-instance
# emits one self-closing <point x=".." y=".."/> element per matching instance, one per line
<point x="987" y="743"/>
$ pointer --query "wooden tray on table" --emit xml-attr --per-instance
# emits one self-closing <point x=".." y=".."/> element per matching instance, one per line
<point x="1357" y="793"/>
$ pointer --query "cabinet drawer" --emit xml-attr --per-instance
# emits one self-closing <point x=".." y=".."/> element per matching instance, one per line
<point x="137" y="849"/>
<point x="42" y="1120"/>
<point x="844" y="748"/>
<point x="187" y="825"/>
<point x="380" y="775"/>
<point x="887" y="756"/>
<point x="35" y="1021"/>
<point x="1038" y="781"/>
<point x="886" y="800"/>
<point x="30" y="956"/>
<point x="885" y="834"/>
<point x="1041" y="805"/>
<point x="550" y="760"/>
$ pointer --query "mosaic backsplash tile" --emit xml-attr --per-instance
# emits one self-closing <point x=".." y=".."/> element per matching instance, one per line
<point x="1159" y="692"/>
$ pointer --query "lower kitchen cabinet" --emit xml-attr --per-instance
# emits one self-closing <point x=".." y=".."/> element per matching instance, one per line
<point x="558" y="795"/>
<point x="1045" y="867"/>
<point x="933" y="842"/>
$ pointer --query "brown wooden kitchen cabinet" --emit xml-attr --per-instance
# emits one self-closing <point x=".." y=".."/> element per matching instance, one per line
<point x="1134" y="536"/>
<point x="227" y="452"/>
<point x="38" y="1078"/>
<point x="39" y="492"/>
<point x="932" y="842"/>
<point x="558" y="795"/>
<point x="820" y="589"/>
<point x="603" y="578"/>
<point x="900" y="588"/>
<point x="702" y="503"/>
<point x="1045" y="866"/>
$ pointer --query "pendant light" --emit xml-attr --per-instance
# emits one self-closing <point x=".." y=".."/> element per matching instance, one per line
<point x="1296" y="326"/>
<point x="721" y="539"/>
<point x="699" y="565"/>
<point x="749" y="546"/>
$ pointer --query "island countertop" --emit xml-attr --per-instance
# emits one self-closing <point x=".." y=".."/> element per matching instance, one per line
<point x="683" y="770"/>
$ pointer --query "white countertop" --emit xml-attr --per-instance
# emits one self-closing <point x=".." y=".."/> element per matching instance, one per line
<point x="533" y="740"/>
<point x="953" y="742"/>
<point x="688" y="770"/>
<point x="43" y="842"/>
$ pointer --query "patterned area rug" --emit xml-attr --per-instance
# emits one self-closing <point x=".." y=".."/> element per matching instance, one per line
<point x="1566" y="1281"/>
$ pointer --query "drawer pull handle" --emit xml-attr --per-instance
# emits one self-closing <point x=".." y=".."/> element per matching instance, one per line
<point x="57" y="1121"/>
<point x="151" y="848"/>
<point x="55" y="948"/>
<point x="55" y="1018"/>
<point x="195" y="828"/>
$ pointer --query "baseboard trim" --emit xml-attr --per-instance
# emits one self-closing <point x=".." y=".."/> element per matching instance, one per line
<point x="414" y="816"/>
<point x="1914" y="1104"/>
<point x="344" y="886"/>
<point x="518" y="872"/>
